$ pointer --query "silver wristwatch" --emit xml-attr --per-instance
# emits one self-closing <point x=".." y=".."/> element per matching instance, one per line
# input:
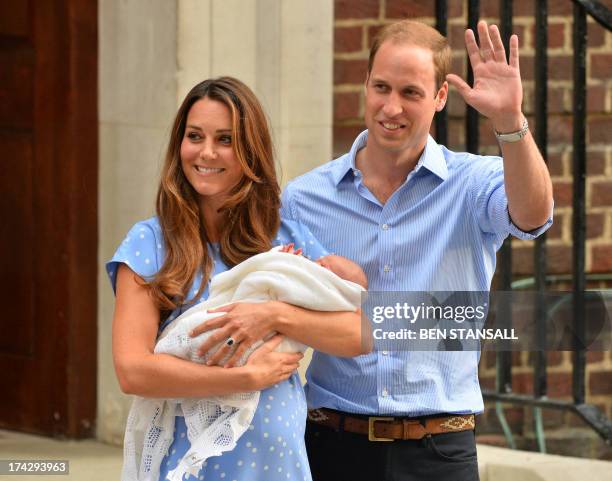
<point x="513" y="136"/>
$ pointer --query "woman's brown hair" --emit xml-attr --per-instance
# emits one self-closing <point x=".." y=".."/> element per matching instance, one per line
<point x="251" y="212"/>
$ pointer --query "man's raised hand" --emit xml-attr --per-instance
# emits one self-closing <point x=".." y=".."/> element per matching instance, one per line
<point x="497" y="92"/>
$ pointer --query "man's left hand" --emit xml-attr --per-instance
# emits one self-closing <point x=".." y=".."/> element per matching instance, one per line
<point x="497" y="93"/>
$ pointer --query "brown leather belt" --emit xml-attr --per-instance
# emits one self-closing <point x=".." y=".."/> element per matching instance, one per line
<point x="389" y="429"/>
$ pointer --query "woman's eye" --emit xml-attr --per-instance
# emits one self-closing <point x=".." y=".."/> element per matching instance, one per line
<point x="193" y="136"/>
<point x="225" y="139"/>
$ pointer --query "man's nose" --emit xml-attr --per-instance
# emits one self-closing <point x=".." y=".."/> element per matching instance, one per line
<point x="393" y="106"/>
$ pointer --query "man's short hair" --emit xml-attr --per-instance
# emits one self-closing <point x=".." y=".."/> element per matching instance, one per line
<point x="420" y="35"/>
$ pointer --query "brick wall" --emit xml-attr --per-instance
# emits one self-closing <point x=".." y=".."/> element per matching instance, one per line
<point x="357" y="21"/>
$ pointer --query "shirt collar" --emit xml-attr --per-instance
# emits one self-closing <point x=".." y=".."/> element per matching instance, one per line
<point x="346" y="163"/>
<point x="432" y="159"/>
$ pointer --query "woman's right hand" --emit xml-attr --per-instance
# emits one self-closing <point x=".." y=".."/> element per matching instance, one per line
<point x="268" y="367"/>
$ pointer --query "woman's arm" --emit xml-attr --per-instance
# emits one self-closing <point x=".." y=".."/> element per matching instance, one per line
<point x="336" y="333"/>
<point x="144" y="373"/>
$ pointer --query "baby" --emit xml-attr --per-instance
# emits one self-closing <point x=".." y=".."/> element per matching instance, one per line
<point x="341" y="266"/>
<point x="214" y="424"/>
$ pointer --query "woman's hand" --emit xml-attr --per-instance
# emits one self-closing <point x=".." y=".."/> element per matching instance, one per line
<point x="268" y="367"/>
<point x="243" y="325"/>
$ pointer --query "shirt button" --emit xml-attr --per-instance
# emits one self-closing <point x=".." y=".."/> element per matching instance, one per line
<point x="385" y="393"/>
<point x="385" y="226"/>
<point x="387" y="268"/>
<point x="384" y="353"/>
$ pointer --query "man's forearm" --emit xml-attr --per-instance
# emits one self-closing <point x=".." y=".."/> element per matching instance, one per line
<point x="527" y="182"/>
<point x="336" y="333"/>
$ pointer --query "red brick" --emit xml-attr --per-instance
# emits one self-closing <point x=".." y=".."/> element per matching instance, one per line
<point x="595" y="225"/>
<point x="554" y="358"/>
<point x="344" y="9"/>
<point x="558" y="259"/>
<point x="560" y="7"/>
<point x="556" y="101"/>
<point x="520" y="30"/>
<point x="455" y="8"/>
<point x="596" y="163"/>
<point x="555" y="163"/>
<point x="526" y="66"/>
<point x="414" y="8"/>
<point x="489" y="8"/>
<point x="522" y="383"/>
<point x="372" y="32"/>
<point x="523" y="8"/>
<point x="596" y="98"/>
<point x="515" y="417"/>
<point x="344" y="136"/>
<point x="456" y="135"/>
<point x="456" y="36"/>
<point x="560" y="67"/>
<point x="490" y="359"/>
<point x="562" y="193"/>
<point x="600" y="382"/>
<point x="347" y="39"/>
<point x="486" y="134"/>
<point x="455" y="104"/>
<point x="487" y="383"/>
<point x="596" y="35"/>
<point x="350" y="71"/>
<point x="459" y="66"/>
<point x="559" y="384"/>
<point x="594" y="357"/>
<point x="599" y="129"/>
<point x="601" y="258"/>
<point x="556" y="229"/>
<point x="346" y="105"/>
<point x="601" y="66"/>
<point x="559" y="129"/>
<point x="556" y="35"/>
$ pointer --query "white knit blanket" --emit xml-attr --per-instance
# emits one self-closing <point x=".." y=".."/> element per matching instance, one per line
<point x="215" y="424"/>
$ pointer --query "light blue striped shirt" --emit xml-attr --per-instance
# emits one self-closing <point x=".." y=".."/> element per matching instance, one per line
<point x="438" y="232"/>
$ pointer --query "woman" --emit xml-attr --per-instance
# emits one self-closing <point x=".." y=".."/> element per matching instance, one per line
<point x="217" y="205"/>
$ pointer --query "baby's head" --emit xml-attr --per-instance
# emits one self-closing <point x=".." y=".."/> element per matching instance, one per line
<point x="344" y="268"/>
<point x="341" y="266"/>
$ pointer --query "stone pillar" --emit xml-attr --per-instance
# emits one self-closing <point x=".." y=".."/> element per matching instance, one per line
<point x="137" y="65"/>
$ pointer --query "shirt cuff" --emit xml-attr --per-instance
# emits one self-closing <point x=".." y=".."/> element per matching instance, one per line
<point x="532" y="234"/>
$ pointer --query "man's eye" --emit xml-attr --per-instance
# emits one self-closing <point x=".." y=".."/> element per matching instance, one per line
<point x="380" y="87"/>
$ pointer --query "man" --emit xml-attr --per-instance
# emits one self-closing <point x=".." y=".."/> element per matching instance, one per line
<point x="417" y="217"/>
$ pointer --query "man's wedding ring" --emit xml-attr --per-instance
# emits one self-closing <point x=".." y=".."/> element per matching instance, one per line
<point x="230" y="341"/>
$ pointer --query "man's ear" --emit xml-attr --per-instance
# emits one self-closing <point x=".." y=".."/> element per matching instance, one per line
<point x="441" y="96"/>
<point x="365" y="84"/>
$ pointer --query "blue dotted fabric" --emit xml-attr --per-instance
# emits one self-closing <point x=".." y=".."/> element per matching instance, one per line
<point x="273" y="446"/>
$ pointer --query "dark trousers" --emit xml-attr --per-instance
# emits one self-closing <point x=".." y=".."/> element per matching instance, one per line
<point x="344" y="456"/>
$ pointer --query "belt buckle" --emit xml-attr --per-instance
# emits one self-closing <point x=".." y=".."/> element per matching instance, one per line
<point x="371" y="436"/>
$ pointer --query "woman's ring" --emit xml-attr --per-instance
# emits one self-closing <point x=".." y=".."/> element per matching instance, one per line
<point x="230" y="341"/>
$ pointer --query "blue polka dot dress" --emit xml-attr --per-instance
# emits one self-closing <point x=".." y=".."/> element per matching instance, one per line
<point x="273" y="446"/>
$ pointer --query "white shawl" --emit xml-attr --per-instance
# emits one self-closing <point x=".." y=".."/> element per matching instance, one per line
<point x="214" y="425"/>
